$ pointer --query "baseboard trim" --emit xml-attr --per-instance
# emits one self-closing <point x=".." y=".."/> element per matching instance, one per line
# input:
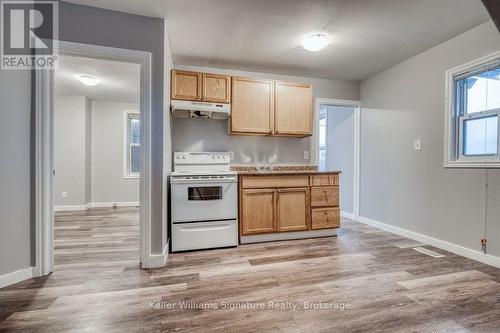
<point x="71" y="208"/>
<point x="279" y="236"/>
<point x="444" y="245"/>
<point x="16" y="276"/>
<point x="347" y="215"/>
<point x="159" y="260"/>
<point x="112" y="204"/>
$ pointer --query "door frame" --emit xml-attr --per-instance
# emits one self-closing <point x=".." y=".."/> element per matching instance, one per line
<point x="357" y="143"/>
<point x="44" y="102"/>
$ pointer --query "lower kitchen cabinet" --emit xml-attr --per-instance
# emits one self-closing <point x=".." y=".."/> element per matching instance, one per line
<point x="288" y="203"/>
<point x="293" y="209"/>
<point x="257" y="211"/>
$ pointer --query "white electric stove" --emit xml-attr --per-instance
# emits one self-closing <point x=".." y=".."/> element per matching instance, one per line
<point x="204" y="201"/>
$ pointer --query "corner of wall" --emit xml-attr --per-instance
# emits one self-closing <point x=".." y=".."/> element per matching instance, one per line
<point x="167" y="133"/>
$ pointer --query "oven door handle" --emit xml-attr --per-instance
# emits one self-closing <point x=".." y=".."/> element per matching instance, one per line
<point x="207" y="228"/>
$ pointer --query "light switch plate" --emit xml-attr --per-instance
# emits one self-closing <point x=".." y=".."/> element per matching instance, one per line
<point x="65" y="195"/>
<point x="306" y="154"/>
<point x="418" y="145"/>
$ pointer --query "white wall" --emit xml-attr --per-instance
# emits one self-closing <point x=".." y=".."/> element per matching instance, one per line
<point x="411" y="189"/>
<point x="88" y="150"/>
<point x="70" y="137"/>
<point x="108" y="183"/>
<point x="340" y="151"/>
<point x="211" y="135"/>
<point x="15" y="188"/>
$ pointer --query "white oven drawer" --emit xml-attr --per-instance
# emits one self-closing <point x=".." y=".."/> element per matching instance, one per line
<point x="204" y="235"/>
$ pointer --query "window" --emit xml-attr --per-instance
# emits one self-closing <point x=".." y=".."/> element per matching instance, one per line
<point x="473" y="114"/>
<point x="131" y="143"/>
<point x="322" y="139"/>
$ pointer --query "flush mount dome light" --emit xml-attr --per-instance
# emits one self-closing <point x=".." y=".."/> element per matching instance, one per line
<point x="88" y="80"/>
<point x="315" y="42"/>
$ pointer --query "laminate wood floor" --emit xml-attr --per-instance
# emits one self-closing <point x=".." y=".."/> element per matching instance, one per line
<point x="364" y="280"/>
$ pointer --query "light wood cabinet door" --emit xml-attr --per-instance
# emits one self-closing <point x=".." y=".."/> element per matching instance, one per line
<point x="293" y="109"/>
<point x="324" y="218"/>
<point x="258" y="214"/>
<point x="186" y="85"/>
<point x="216" y="88"/>
<point x="252" y="106"/>
<point x="293" y="209"/>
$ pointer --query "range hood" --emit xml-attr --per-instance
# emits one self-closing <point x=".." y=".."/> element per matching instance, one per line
<point x="192" y="109"/>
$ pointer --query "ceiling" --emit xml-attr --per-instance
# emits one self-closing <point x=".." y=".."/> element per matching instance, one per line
<point x="120" y="81"/>
<point x="367" y="36"/>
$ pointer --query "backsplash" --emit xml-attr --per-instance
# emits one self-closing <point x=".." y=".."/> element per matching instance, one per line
<point x="212" y="135"/>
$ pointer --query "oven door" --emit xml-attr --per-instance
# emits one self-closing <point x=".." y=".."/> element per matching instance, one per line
<point x="204" y="200"/>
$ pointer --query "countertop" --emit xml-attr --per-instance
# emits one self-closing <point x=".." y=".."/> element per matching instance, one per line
<point x="279" y="170"/>
<point x="273" y="173"/>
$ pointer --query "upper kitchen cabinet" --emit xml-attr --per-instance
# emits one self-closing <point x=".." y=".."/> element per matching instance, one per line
<point x="186" y="85"/>
<point x="216" y="88"/>
<point x="252" y="106"/>
<point x="195" y="86"/>
<point x="293" y="109"/>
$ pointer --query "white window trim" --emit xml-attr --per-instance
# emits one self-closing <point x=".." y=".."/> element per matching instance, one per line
<point x="450" y="160"/>
<point x="326" y="137"/>
<point x="126" y="173"/>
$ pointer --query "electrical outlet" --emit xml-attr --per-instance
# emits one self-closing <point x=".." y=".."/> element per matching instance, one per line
<point x="418" y="144"/>
<point x="231" y="155"/>
<point x="306" y="154"/>
<point x="484" y="244"/>
<point x="65" y="195"/>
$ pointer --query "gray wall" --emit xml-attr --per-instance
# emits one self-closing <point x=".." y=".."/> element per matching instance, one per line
<point x="15" y="188"/>
<point x="108" y="184"/>
<point x="340" y="151"/>
<point x="411" y="189"/>
<point x="70" y="150"/>
<point x="167" y="132"/>
<point x="211" y="135"/>
<point x="88" y="152"/>
<point x="90" y="25"/>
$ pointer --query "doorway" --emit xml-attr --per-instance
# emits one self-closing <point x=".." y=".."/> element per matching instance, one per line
<point x="337" y="138"/>
<point x="45" y="104"/>
<point x="96" y="161"/>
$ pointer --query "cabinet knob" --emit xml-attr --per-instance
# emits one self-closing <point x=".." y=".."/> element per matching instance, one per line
<point x="326" y="213"/>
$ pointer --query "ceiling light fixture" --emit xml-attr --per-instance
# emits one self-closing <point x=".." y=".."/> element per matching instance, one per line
<point x="315" y="42"/>
<point x="88" y="80"/>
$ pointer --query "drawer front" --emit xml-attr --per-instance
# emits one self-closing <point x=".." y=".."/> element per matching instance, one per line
<point x="204" y="235"/>
<point x="325" y="196"/>
<point x="274" y="181"/>
<point x="324" y="218"/>
<point x="325" y="180"/>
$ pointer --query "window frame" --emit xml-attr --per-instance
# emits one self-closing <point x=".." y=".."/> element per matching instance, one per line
<point x="127" y="145"/>
<point x="454" y="156"/>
